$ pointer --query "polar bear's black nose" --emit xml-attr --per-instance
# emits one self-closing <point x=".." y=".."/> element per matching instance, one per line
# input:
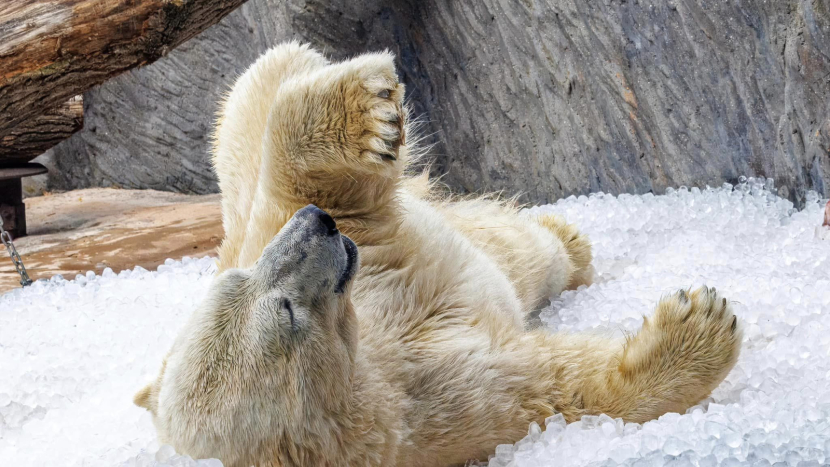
<point x="326" y="219"/>
<point x="322" y="216"/>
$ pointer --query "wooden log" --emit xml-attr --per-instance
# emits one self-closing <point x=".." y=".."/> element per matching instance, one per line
<point x="33" y="137"/>
<point x="53" y="50"/>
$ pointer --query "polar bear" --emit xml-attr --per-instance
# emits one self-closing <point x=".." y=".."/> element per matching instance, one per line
<point x="421" y="355"/>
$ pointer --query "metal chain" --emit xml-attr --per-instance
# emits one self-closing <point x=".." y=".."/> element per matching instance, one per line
<point x="18" y="263"/>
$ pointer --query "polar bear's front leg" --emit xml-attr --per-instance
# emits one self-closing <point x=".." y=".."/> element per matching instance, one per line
<point x="335" y="138"/>
<point x="676" y="360"/>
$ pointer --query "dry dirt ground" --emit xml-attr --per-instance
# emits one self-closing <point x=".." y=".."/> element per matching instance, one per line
<point x="88" y="230"/>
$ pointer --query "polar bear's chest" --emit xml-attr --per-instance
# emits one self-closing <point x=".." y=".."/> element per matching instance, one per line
<point x="435" y="276"/>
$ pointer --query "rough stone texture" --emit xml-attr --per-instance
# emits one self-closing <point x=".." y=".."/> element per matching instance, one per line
<point x="545" y="97"/>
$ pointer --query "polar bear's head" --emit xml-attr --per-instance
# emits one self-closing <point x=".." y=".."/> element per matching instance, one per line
<point x="268" y="354"/>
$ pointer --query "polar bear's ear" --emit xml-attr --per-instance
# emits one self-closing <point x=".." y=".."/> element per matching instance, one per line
<point x="148" y="397"/>
<point x="143" y="398"/>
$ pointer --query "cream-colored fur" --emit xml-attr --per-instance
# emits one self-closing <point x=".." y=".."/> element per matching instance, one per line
<point x="441" y="367"/>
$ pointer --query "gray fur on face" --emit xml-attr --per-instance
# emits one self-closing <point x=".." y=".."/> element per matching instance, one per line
<point x="308" y="256"/>
<point x="302" y="273"/>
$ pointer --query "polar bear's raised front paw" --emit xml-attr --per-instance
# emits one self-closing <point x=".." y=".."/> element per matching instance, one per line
<point x="376" y="105"/>
<point x="684" y="350"/>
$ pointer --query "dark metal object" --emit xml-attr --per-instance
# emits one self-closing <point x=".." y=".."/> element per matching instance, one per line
<point x="6" y="239"/>
<point x="12" y="209"/>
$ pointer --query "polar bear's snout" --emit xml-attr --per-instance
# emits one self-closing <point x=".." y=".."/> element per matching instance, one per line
<point x="311" y="253"/>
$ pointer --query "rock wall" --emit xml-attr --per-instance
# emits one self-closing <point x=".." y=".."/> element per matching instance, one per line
<point x="544" y="97"/>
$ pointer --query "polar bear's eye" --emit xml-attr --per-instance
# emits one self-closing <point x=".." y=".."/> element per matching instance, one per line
<point x="286" y="305"/>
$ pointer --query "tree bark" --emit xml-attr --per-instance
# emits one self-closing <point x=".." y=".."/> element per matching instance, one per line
<point x="34" y="136"/>
<point x="51" y="51"/>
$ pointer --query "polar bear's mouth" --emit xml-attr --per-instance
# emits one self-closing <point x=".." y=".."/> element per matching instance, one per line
<point x="351" y="264"/>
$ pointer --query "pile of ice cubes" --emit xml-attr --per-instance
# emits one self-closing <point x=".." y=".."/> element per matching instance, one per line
<point x="73" y="353"/>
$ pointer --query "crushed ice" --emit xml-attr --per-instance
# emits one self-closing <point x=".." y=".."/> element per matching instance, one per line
<point x="73" y="353"/>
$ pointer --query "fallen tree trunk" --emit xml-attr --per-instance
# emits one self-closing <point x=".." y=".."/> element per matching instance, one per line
<point x="52" y="51"/>
<point x="34" y="136"/>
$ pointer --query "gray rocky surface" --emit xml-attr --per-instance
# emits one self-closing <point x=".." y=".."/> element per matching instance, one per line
<point x="545" y="97"/>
